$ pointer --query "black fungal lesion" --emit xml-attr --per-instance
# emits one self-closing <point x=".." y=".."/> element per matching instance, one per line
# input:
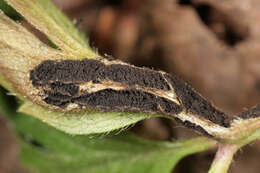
<point x="60" y="82"/>
<point x="196" y="104"/>
<point x="115" y="101"/>
<point x="80" y="71"/>
<point x="127" y="100"/>
<point x="64" y="89"/>
<point x="66" y="71"/>
<point x="253" y="112"/>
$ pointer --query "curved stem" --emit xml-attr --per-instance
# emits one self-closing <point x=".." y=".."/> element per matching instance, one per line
<point x="223" y="158"/>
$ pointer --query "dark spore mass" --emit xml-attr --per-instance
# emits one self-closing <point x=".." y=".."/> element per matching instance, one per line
<point x="76" y="71"/>
<point x="59" y="103"/>
<point x="253" y="112"/>
<point x="113" y="101"/>
<point x="60" y="80"/>
<point x="67" y="71"/>
<point x="196" y="104"/>
<point x="136" y="76"/>
<point x="64" y="89"/>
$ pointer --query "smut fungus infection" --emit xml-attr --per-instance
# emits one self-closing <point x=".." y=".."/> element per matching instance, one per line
<point x="196" y="104"/>
<point x="253" y="112"/>
<point x="75" y="72"/>
<point x="76" y="84"/>
<point x="112" y="100"/>
<point x="60" y="79"/>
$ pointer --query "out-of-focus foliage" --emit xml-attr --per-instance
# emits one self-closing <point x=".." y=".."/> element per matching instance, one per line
<point x="45" y="149"/>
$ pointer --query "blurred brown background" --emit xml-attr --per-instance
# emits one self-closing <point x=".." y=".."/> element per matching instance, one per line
<point x="212" y="44"/>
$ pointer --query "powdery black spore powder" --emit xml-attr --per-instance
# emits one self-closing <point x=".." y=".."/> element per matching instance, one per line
<point x="253" y="112"/>
<point x="196" y="104"/>
<point x="62" y="77"/>
<point x="75" y="71"/>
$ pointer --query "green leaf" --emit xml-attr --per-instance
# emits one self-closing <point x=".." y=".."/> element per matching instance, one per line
<point x="83" y="123"/>
<point x="122" y="153"/>
<point x="43" y="15"/>
<point x="44" y="149"/>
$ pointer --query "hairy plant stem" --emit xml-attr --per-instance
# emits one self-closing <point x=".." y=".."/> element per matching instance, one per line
<point x="226" y="152"/>
<point x="223" y="158"/>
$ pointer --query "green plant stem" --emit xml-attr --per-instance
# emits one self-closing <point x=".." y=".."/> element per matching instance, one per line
<point x="226" y="151"/>
<point x="223" y="158"/>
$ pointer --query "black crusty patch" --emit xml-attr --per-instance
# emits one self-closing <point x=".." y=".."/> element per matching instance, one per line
<point x="76" y="71"/>
<point x="193" y="126"/>
<point x="135" y="76"/>
<point x="59" y="103"/>
<point x="64" y="89"/>
<point x="196" y="104"/>
<point x="112" y="100"/>
<point x="253" y="112"/>
<point x="66" y="71"/>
